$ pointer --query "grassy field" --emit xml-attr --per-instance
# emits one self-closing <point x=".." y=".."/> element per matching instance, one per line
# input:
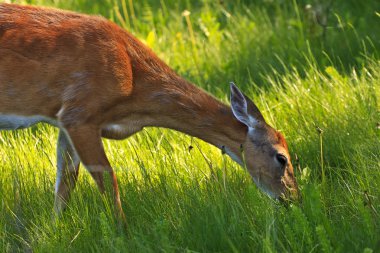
<point x="314" y="71"/>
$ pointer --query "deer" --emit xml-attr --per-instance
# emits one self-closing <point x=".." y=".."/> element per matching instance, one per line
<point x="93" y="79"/>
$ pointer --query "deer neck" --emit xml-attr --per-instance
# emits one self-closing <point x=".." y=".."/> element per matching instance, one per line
<point x="186" y="108"/>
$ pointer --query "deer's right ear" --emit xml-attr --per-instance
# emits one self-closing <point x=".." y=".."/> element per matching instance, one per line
<point x="243" y="108"/>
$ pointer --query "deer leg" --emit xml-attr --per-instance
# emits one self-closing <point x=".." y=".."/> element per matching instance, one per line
<point x="88" y="144"/>
<point x="67" y="172"/>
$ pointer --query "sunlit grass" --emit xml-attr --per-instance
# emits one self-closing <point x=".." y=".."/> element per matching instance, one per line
<point x="179" y="199"/>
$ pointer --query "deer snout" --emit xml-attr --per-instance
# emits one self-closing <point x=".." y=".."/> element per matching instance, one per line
<point x="291" y="191"/>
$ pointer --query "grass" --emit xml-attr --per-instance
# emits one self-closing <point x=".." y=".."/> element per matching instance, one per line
<point x="319" y="86"/>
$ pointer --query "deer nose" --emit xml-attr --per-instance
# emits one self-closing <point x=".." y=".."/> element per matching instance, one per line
<point x="282" y="159"/>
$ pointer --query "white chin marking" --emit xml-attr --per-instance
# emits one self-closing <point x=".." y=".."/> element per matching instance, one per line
<point x="263" y="188"/>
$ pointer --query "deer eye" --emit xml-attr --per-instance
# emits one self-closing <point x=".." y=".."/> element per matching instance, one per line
<point x="282" y="159"/>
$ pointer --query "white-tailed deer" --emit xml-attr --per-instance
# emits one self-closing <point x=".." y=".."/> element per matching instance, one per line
<point x="92" y="79"/>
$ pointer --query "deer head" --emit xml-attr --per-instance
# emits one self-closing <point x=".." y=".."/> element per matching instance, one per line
<point x="265" y="152"/>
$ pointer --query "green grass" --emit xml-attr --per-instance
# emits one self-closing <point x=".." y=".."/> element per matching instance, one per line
<point x="321" y="90"/>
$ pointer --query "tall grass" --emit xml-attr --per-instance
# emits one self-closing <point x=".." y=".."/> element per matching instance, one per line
<point x="320" y="88"/>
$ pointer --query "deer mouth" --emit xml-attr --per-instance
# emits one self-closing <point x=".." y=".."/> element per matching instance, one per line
<point x="291" y="192"/>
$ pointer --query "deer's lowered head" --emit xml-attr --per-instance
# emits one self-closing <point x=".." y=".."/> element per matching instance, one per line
<point x="264" y="152"/>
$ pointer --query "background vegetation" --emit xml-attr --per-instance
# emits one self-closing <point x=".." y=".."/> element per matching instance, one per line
<point x="312" y="67"/>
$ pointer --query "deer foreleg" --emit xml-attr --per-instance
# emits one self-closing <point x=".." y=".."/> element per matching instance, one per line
<point x="88" y="144"/>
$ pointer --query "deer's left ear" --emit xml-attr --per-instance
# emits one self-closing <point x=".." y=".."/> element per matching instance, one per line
<point x="244" y="109"/>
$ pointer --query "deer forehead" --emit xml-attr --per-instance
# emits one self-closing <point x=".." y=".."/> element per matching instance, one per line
<point x="262" y="133"/>
<point x="267" y="139"/>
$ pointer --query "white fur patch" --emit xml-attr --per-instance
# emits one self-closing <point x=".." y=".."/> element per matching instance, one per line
<point x="252" y="121"/>
<point x="127" y="129"/>
<point x="251" y="131"/>
<point x="121" y="131"/>
<point x="14" y="122"/>
<point x="263" y="188"/>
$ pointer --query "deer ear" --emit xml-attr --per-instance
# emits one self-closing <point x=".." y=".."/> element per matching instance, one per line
<point x="244" y="109"/>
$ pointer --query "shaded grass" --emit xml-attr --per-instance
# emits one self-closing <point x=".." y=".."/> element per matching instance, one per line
<point x="177" y="200"/>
